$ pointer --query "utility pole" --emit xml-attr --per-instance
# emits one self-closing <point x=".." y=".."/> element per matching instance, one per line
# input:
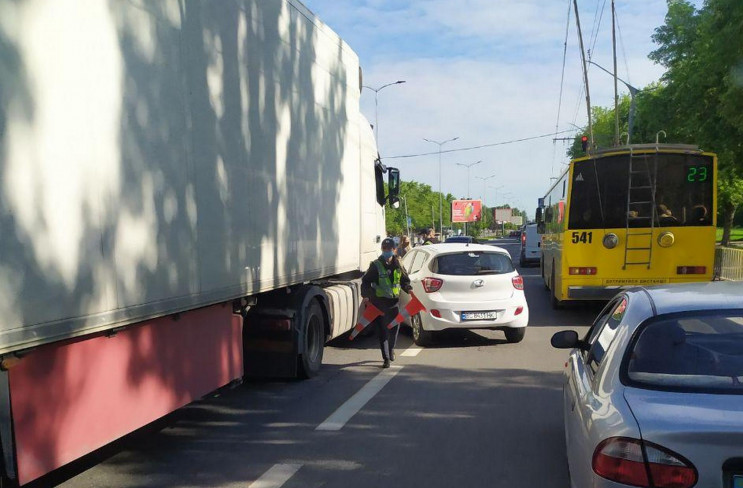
<point x="616" y="90"/>
<point x="585" y="73"/>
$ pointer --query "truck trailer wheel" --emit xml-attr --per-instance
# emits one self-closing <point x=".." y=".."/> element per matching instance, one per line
<point x="313" y="341"/>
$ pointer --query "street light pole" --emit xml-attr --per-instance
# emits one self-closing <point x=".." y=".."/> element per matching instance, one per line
<point x="407" y="219"/>
<point x="632" y="92"/>
<point x="376" y="105"/>
<point x="441" y="196"/>
<point x="468" y="166"/>
<point x="484" y="183"/>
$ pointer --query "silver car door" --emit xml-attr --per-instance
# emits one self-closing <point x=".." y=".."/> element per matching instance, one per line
<point x="580" y="401"/>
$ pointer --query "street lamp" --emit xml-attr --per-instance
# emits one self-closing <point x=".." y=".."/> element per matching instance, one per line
<point x="376" y="105"/>
<point x="484" y="182"/>
<point x="468" y="166"/>
<point x="632" y="92"/>
<point x="441" y="196"/>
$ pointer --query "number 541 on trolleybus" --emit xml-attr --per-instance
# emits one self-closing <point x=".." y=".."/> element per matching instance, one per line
<point x="627" y="216"/>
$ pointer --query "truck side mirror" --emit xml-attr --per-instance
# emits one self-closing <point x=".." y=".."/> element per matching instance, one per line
<point x="540" y="217"/>
<point x="393" y="183"/>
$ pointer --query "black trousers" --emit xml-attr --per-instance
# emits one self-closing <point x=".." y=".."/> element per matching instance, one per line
<point x="387" y="337"/>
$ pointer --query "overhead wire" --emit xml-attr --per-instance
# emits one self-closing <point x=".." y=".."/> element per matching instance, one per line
<point x="624" y="52"/>
<point x="481" y="146"/>
<point x="562" y="82"/>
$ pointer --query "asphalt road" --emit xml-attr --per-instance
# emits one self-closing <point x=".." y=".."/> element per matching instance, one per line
<point x="471" y="411"/>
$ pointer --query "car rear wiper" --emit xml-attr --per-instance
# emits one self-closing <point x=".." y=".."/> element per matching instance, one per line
<point x="488" y="271"/>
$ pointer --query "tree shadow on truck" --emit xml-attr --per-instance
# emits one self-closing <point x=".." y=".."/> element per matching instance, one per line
<point x="202" y="158"/>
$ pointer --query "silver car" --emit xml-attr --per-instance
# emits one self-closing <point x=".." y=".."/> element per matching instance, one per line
<point x="653" y="394"/>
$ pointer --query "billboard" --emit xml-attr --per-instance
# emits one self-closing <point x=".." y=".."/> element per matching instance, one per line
<point x="466" y="210"/>
<point x="517" y="220"/>
<point x="503" y="214"/>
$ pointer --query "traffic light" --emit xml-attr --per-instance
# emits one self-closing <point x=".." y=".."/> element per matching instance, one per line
<point x="584" y="143"/>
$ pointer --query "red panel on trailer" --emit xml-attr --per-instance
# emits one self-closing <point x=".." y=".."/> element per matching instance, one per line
<point x="71" y="398"/>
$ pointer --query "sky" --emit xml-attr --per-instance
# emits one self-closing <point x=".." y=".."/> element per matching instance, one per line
<point x="488" y="71"/>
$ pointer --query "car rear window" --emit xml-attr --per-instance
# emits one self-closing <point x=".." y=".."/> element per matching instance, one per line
<point x="693" y="352"/>
<point x="472" y="263"/>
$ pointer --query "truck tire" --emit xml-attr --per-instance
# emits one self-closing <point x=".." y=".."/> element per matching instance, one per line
<point x="313" y="341"/>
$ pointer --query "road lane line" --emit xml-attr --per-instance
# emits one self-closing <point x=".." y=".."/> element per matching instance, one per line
<point x="343" y="414"/>
<point x="412" y="351"/>
<point x="276" y="476"/>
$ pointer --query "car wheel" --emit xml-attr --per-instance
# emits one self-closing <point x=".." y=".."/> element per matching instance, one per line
<point x="556" y="304"/>
<point x="421" y="337"/>
<point x="514" y="335"/>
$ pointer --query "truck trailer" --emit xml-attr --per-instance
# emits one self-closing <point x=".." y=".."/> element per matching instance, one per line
<point x="188" y="196"/>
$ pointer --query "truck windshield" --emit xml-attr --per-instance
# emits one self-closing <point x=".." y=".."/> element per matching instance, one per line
<point x="683" y="191"/>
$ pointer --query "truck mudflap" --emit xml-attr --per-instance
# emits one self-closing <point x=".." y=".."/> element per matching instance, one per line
<point x="285" y="333"/>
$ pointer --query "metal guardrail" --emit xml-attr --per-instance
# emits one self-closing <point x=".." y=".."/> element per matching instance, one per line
<point x="729" y="263"/>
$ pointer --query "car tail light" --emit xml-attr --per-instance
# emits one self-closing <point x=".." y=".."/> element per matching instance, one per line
<point x="523" y="238"/>
<point x="518" y="282"/>
<point x="436" y="313"/>
<point x="518" y="311"/>
<point x="587" y="271"/>
<point x="628" y="461"/>
<point x="432" y="284"/>
<point x="684" y="270"/>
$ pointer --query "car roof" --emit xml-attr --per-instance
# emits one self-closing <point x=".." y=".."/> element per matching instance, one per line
<point x="683" y="297"/>
<point x="453" y="247"/>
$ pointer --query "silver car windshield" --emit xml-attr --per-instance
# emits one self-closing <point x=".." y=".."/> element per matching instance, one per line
<point x="472" y="263"/>
<point x="693" y="352"/>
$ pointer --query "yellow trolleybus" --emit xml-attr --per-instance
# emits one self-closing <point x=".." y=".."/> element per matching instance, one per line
<point x="642" y="214"/>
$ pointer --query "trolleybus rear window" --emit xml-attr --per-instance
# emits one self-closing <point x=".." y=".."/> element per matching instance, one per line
<point x="683" y="191"/>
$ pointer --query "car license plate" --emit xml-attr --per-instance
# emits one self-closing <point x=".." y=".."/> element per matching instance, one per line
<point x="738" y="481"/>
<point x="479" y="315"/>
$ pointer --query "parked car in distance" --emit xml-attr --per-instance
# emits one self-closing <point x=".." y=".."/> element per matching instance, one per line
<point x="465" y="286"/>
<point x="531" y="245"/>
<point x="514" y="233"/>
<point x="653" y="393"/>
<point x="460" y="239"/>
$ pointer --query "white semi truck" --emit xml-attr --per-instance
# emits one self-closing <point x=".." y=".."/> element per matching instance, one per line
<point x="188" y="196"/>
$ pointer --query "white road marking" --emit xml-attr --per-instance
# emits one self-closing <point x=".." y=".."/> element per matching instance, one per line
<point x="412" y="351"/>
<point x="276" y="476"/>
<point x="343" y="414"/>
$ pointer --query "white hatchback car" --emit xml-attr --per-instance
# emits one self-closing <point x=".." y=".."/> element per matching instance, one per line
<point x="465" y="286"/>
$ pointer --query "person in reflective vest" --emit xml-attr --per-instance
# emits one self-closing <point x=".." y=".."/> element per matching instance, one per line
<point x="381" y="285"/>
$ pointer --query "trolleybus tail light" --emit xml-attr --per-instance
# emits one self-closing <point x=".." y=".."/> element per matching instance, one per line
<point x="518" y="282"/>
<point x="585" y="271"/>
<point x="432" y="284"/>
<point x="629" y="461"/>
<point x="687" y="270"/>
